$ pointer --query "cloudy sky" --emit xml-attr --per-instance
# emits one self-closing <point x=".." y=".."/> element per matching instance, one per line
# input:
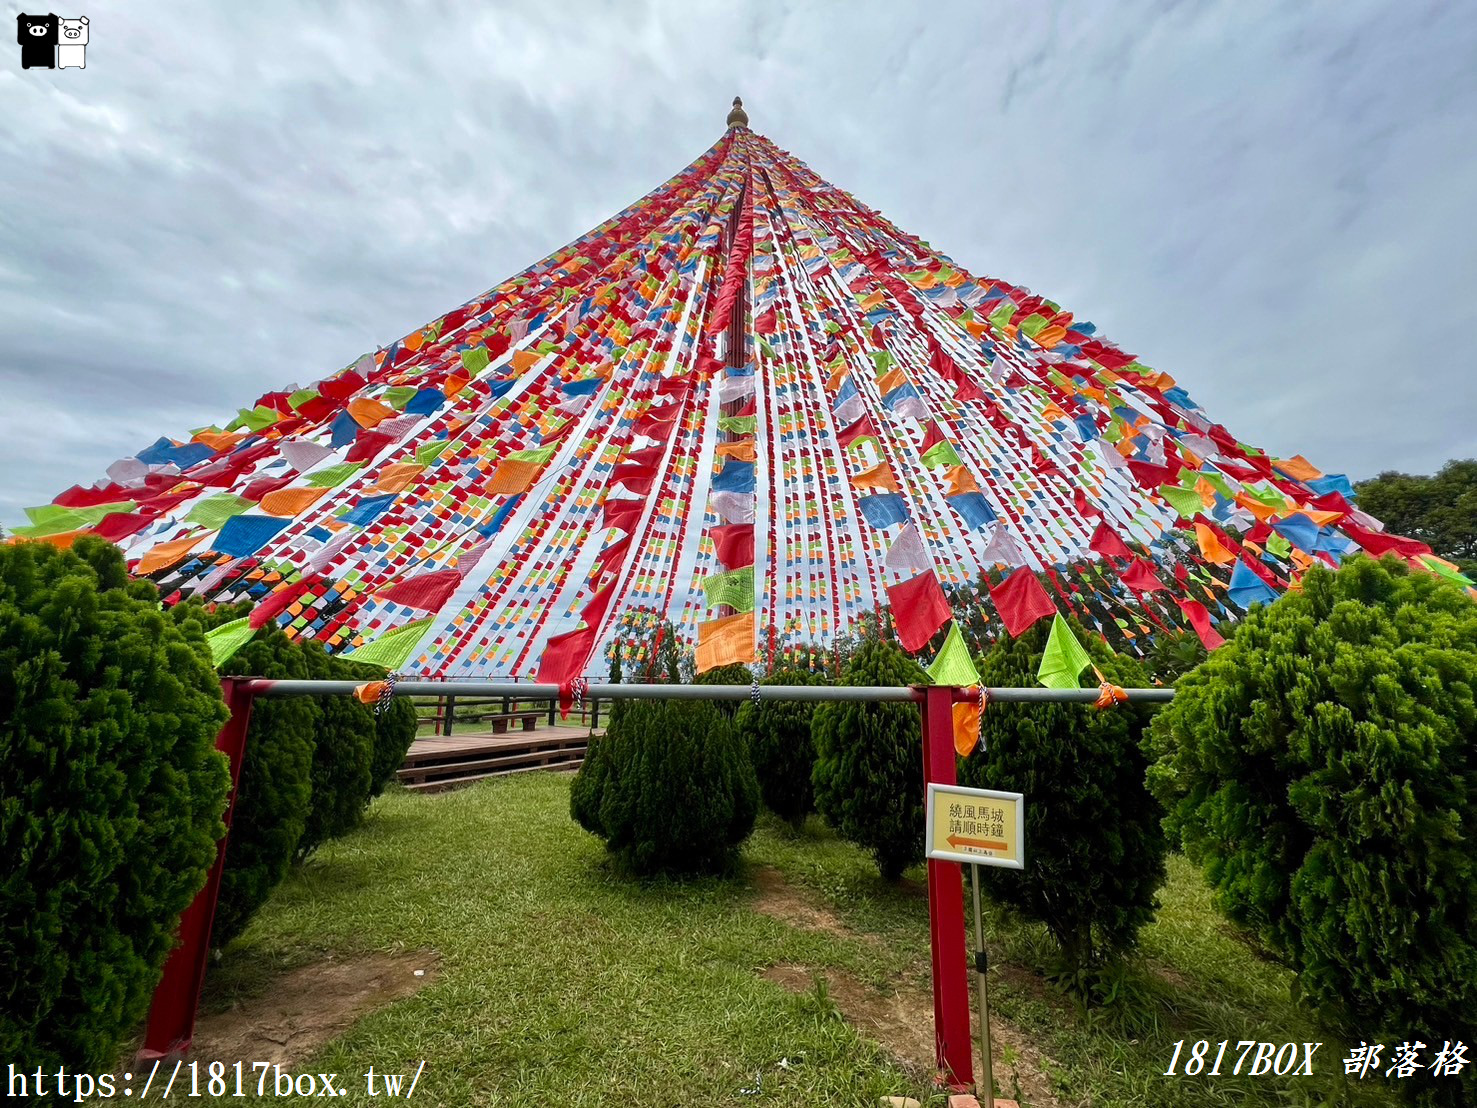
<point x="1275" y="203"/>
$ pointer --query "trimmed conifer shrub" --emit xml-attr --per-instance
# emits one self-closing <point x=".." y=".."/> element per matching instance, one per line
<point x="669" y="787"/>
<point x="343" y="752"/>
<point x="1095" y="845"/>
<point x="394" y="730"/>
<point x="734" y="673"/>
<point x="1322" y="766"/>
<point x="276" y="791"/>
<point x="778" y="735"/>
<point x="868" y="776"/>
<point x="111" y="795"/>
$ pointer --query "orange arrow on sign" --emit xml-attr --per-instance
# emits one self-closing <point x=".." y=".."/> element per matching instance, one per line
<point x="983" y="844"/>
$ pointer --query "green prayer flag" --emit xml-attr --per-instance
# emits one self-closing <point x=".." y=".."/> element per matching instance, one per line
<point x="738" y="425"/>
<point x="1445" y="571"/>
<point x="257" y="419"/>
<point x="1001" y="316"/>
<point x="1278" y="545"/>
<point x="734" y="588"/>
<point x="333" y="476"/>
<point x="475" y="360"/>
<point x="301" y="397"/>
<point x="1063" y="659"/>
<point x="427" y="453"/>
<point x="1185" y="501"/>
<point x="1033" y="324"/>
<point x="1219" y="483"/>
<point x="399" y="396"/>
<point x="882" y="360"/>
<point x="539" y="454"/>
<point x="214" y="511"/>
<point x="954" y="666"/>
<point x="392" y="648"/>
<point x="941" y="454"/>
<point x="228" y="638"/>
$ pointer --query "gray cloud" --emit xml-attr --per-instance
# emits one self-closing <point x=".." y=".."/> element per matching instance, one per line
<point x="1271" y="202"/>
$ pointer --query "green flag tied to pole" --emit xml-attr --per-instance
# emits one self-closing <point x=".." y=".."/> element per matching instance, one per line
<point x="953" y="666"/>
<point x="1063" y="659"/>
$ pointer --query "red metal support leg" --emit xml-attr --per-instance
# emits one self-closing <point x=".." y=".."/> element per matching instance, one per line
<point x="952" y="1043"/>
<point x="171" y="1025"/>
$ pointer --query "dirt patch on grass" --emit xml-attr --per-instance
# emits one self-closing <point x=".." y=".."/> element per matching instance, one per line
<point x="307" y="1006"/>
<point x="782" y="901"/>
<point x="901" y="1022"/>
<point x="891" y="1021"/>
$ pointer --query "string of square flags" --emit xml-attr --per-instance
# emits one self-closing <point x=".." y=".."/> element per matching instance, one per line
<point x="747" y="407"/>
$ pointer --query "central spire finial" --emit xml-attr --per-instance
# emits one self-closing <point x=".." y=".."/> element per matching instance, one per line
<point x="737" y="117"/>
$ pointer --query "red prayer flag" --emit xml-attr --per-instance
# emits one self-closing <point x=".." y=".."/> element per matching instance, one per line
<point x="427" y="591"/>
<point x="1021" y="601"/>
<point x="735" y="544"/>
<point x="1105" y="541"/>
<point x="1199" y="619"/>
<point x="1139" y="577"/>
<point x="622" y="514"/>
<point x="919" y="609"/>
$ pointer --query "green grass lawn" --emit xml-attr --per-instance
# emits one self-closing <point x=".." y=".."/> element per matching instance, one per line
<point x="561" y="982"/>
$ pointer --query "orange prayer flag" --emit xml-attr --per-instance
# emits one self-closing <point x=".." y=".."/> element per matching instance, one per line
<point x="289" y="502"/>
<point x="1051" y="335"/>
<point x="892" y="379"/>
<point x="1298" y="468"/>
<point x="743" y="450"/>
<point x="960" y="480"/>
<point x="165" y="555"/>
<point x="62" y="541"/>
<point x="722" y="642"/>
<point x="369" y="413"/>
<point x="369" y="693"/>
<point x="455" y="383"/>
<point x="966" y="727"/>
<point x="1210" y="546"/>
<point x="512" y="476"/>
<point x="1052" y="411"/>
<point x="219" y="441"/>
<point x="396" y="477"/>
<point x="1323" y="519"/>
<point x="878" y="477"/>
<point x="524" y="360"/>
<point x="1263" y="512"/>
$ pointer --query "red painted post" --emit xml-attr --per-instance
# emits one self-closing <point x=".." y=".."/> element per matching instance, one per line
<point x="171" y="1025"/>
<point x="951" y="1038"/>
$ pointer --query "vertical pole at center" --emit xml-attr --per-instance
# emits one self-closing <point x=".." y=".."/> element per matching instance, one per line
<point x="946" y="906"/>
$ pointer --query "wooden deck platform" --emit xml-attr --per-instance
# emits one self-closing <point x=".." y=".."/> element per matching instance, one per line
<point x="437" y="762"/>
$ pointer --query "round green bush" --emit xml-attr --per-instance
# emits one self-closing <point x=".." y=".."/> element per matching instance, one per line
<point x="111" y="796"/>
<point x="778" y="736"/>
<point x="343" y="753"/>
<point x="1322" y="765"/>
<point x="868" y="776"/>
<point x="669" y="787"/>
<point x="1095" y="845"/>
